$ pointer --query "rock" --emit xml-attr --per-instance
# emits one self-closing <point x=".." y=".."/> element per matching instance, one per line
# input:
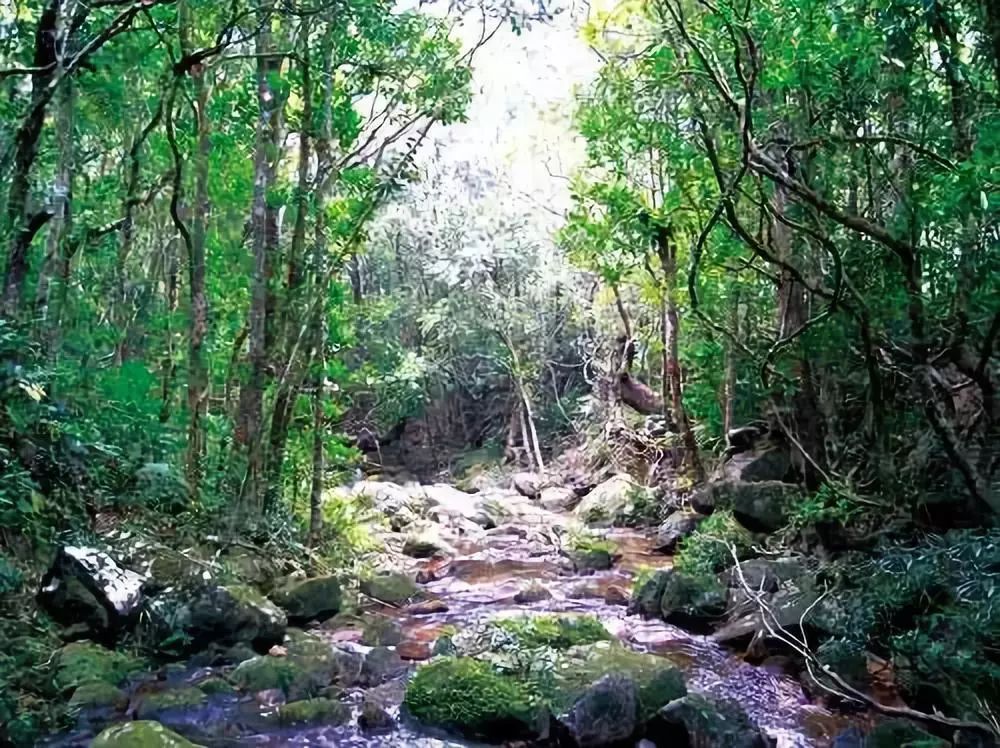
<point x="391" y="587"/>
<point x="233" y="614"/>
<point x="615" y="595"/>
<point x="589" y="558"/>
<point x="697" y="720"/>
<point x="427" y="608"/>
<point x="494" y="509"/>
<point x="768" y="463"/>
<point x="86" y="586"/>
<point x="319" y="711"/>
<point x="374" y="717"/>
<point x="82" y="663"/>
<point x="394" y="502"/>
<point x="852" y="737"/>
<point x="425" y="542"/>
<point x="140" y="734"/>
<point x="309" y="666"/>
<point x="679" y="599"/>
<point x="314" y="599"/>
<point x="557" y="498"/>
<point x="381" y="631"/>
<point x="760" y="506"/>
<point x="579" y="667"/>
<point x="605" y="715"/>
<point x="527" y="484"/>
<point x="467" y="697"/>
<point x="675" y="528"/>
<point x="764" y="575"/>
<point x="533" y="593"/>
<point x="98" y="695"/>
<point x="214" y="685"/>
<point x="152" y="704"/>
<point x="381" y="664"/>
<point x="447" y="501"/>
<point x="607" y="503"/>
<point x="787" y="607"/>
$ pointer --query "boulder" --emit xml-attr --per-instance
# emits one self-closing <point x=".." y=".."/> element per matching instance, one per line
<point x="762" y="574"/>
<point x="606" y="714"/>
<point x="391" y="587"/>
<point x="675" y="528"/>
<point x="140" y="734"/>
<point x="425" y="540"/>
<point x="311" y="712"/>
<point x="314" y="599"/>
<point x="698" y="720"/>
<point x="494" y="509"/>
<point x="527" y="484"/>
<point x="381" y="631"/>
<point x="768" y="463"/>
<point x="374" y="717"/>
<point x="308" y="666"/>
<point x="380" y="665"/>
<point x="182" y="621"/>
<point x="760" y="507"/>
<point x="787" y="607"/>
<point x="399" y="505"/>
<point x="466" y="696"/>
<point x="587" y="559"/>
<point x="607" y="503"/>
<point x="680" y="599"/>
<point x="557" y="498"/>
<point x="532" y="593"/>
<point x="86" y="588"/>
<point x="81" y="663"/>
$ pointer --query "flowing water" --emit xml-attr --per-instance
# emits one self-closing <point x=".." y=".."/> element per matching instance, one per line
<point x="480" y="581"/>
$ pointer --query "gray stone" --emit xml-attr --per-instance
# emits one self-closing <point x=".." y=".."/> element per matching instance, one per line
<point x="527" y="484"/>
<point x="86" y="586"/>
<point x="675" y="528"/>
<point x="607" y="503"/>
<point x="606" y="714"/>
<point x="697" y="720"/>
<point x="760" y="507"/>
<point x="314" y="599"/>
<point x="557" y="498"/>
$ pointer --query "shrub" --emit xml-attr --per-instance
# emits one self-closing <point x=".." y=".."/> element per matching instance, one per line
<point x="707" y="551"/>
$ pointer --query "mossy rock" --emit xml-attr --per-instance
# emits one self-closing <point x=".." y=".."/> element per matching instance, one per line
<point x="85" y="662"/>
<point x="392" y="587"/>
<point x="468" y="697"/>
<point x="705" y="720"/>
<point x="899" y="733"/>
<point x="381" y="631"/>
<point x="214" y="686"/>
<point x="140" y="734"/>
<point x="309" y="666"/>
<point x="554" y="631"/>
<point x="175" y="698"/>
<point x="98" y="695"/>
<point x="690" y="601"/>
<point x="657" y="680"/>
<point x="310" y="600"/>
<point x="590" y="559"/>
<point x="312" y="712"/>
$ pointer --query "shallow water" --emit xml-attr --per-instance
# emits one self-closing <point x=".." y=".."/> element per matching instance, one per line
<point x="482" y="581"/>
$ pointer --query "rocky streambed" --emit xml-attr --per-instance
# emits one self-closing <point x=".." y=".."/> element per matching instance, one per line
<point x="520" y="584"/>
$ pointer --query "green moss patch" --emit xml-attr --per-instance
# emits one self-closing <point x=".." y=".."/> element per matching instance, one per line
<point x="557" y="632"/>
<point x="175" y="698"/>
<point x="468" y="697"/>
<point x="85" y="662"/>
<point x="313" y="712"/>
<point x="140" y="734"/>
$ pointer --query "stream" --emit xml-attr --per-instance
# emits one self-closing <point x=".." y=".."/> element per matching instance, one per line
<point x="483" y="579"/>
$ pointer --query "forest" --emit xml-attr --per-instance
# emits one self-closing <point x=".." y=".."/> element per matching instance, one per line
<point x="436" y="374"/>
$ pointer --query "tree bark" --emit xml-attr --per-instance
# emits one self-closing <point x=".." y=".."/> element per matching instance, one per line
<point x="249" y="431"/>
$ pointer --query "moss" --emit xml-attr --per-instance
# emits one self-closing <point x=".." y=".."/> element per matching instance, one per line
<point x="557" y="632"/>
<point x="141" y="734"/>
<point x="213" y="686"/>
<point x="469" y="697"/>
<point x="309" y="666"/>
<point x="85" y="662"/>
<point x="313" y="712"/>
<point x="174" y="698"/>
<point x="98" y="695"/>
<point x="658" y="681"/>
<point x="898" y="733"/>
<point x="707" y="550"/>
<point x="312" y="599"/>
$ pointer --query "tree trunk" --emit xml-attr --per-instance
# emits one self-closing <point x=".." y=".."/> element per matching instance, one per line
<point x="249" y="431"/>
<point x="667" y="253"/>
<point x="55" y="268"/>
<point x="20" y="227"/>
